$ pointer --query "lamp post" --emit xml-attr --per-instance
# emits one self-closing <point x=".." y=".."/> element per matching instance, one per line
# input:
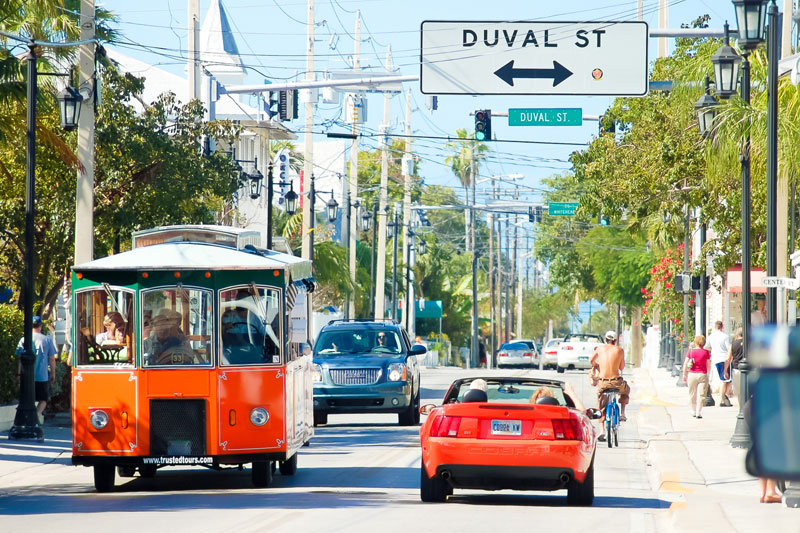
<point x="331" y="207"/>
<point x="26" y="422"/>
<point x="375" y="202"/>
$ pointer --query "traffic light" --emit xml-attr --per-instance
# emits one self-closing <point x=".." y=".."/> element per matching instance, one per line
<point x="272" y="105"/>
<point x="483" y="125"/>
<point x="535" y="213"/>
<point x="288" y="104"/>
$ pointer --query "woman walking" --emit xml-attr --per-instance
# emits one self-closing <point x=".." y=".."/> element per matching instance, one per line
<point x="695" y="372"/>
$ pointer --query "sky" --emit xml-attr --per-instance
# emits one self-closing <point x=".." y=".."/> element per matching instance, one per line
<point x="271" y="37"/>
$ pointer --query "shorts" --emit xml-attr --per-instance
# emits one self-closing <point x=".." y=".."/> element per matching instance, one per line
<point x="42" y="391"/>
<point x="613" y="383"/>
<point x="721" y="373"/>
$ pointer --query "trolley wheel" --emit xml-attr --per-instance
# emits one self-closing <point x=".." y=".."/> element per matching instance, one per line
<point x="104" y="478"/>
<point x="126" y="471"/>
<point x="261" y="473"/>
<point x="148" y="471"/>
<point x="320" y="419"/>
<point x="289" y="466"/>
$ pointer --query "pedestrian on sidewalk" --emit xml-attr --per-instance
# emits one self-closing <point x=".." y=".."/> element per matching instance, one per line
<point x="44" y="366"/>
<point x="695" y="373"/>
<point x="732" y="364"/>
<point x="719" y="343"/>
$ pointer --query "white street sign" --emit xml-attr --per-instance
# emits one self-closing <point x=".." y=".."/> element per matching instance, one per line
<point x="533" y="58"/>
<point x="782" y="283"/>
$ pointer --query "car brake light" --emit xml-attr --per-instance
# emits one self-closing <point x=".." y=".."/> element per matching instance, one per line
<point x="445" y="426"/>
<point x="502" y="354"/>
<point x="567" y="347"/>
<point x="527" y="354"/>
<point x="550" y="352"/>
<point x="567" y="429"/>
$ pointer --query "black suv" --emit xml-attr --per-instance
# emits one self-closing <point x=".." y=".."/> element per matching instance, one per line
<point x="366" y="367"/>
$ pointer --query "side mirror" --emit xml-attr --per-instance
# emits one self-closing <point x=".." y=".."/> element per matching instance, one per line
<point x="594" y="414"/>
<point x="426" y="409"/>
<point x="417" y="349"/>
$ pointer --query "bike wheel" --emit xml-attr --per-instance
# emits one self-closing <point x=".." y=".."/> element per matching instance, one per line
<point x="616" y="436"/>
<point x="608" y="434"/>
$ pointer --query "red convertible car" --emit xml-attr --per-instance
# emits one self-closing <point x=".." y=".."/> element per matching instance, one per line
<point x="496" y="433"/>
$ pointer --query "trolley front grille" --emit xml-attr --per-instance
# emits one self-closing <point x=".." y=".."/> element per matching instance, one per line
<point x="178" y="427"/>
<point x="355" y="376"/>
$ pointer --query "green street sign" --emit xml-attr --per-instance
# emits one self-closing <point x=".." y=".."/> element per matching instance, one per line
<point x="562" y="209"/>
<point x="545" y="116"/>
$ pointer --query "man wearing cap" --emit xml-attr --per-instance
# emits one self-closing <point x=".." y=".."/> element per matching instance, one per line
<point x="44" y="366"/>
<point x="167" y="345"/>
<point x="608" y="362"/>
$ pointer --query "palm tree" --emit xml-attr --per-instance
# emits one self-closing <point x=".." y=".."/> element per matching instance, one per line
<point x="464" y="160"/>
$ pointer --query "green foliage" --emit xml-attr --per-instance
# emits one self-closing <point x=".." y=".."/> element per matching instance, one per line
<point x="601" y="321"/>
<point x="538" y="308"/>
<point x="11" y="325"/>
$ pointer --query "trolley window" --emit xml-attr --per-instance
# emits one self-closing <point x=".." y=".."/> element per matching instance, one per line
<point x="177" y="327"/>
<point x="104" y="332"/>
<point x="250" y="325"/>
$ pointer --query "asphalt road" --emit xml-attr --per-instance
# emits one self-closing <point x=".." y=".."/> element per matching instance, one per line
<point x="360" y="473"/>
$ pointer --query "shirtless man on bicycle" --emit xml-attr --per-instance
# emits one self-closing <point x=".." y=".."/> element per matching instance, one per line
<point x="608" y="362"/>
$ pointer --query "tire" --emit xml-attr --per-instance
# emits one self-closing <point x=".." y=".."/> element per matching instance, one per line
<point x="410" y="416"/>
<point x="320" y="419"/>
<point x="148" y="471"/>
<point x="261" y="473"/>
<point x="609" y="435"/>
<point x="582" y="493"/>
<point x="560" y="369"/>
<point x="126" y="471"/>
<point x="616" y="437"/>
<point x="431" y="490"/>
<point x="104" y="478"/>
<point x="288" y="467"/>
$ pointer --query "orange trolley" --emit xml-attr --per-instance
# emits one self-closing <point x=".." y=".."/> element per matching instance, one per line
<point x="191" y="349"/>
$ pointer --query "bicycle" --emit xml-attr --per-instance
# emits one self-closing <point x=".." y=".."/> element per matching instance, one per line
<point x="611" y="422"/>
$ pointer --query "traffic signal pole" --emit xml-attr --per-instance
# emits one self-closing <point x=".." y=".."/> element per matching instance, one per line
<point x="308" y="166"/>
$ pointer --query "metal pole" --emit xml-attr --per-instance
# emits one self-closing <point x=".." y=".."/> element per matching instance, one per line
<point x="26" y="421"/>
<point x="792" y="304"/>
<point x="686" y="323"/>
<point x="373" y="253"/>
<point x="345" y="225"/>
<point x="270" y="193"/>
<point x="308" y="167"/>
<point x="412" y="241"/>
<point x="394" y="265"/>
<point x="703" y="281"/>
<point x="772" y="157"/>
<point x="84" y="191"/>
<point x="492" y="309"/>
<point x="474" y="356"/>
<point x="312" y="197"/>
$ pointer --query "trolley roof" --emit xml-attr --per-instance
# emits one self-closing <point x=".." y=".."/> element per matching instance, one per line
<point x="190" y="255"/>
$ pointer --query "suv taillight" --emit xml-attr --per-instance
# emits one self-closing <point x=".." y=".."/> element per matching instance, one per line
<point x="445" y="426"/>
<point x="527" y="354"/>
<point x="567" y="429"/>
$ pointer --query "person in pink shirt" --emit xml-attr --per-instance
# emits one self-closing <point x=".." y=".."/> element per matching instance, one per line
<point x="695" y="372"/>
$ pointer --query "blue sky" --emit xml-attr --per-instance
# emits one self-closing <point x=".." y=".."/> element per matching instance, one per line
<point x="271" y="39"/>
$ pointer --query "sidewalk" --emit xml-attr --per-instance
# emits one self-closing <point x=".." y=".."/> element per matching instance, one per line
<point x="693" y="458"/>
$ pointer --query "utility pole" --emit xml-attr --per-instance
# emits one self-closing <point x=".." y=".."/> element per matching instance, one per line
<point x="374" y="253"/>
<point x="782" y="184"/>
<point x="394" y="263"/>
<point x="663" y="20"/>
<point x="519" y="296"/>
<point x="499" y="285"/>
<point x="409" y="311"/>
<point x="507" y="337"/>
<point x="84" y="195"/>
<point x="474" y="357"/>
<point x="308" y="165"/>
<point x="353" y="193"/>
<point x="492" y="316"/>
<point x="193" y="51"/>
<point x="380" y="278"/>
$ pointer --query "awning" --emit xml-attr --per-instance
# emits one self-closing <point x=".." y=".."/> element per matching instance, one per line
<point x="734" y="280"/>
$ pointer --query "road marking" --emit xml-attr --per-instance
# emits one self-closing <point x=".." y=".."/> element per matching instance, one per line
<point x="671" y="482"/>
<point x="650" y="399"/>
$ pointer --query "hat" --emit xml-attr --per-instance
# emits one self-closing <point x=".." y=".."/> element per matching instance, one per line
<point x="479" y="384"/>
<point x="37" y="321"/>
<point x="166" y="315"/>
<point x="611" y="335"/>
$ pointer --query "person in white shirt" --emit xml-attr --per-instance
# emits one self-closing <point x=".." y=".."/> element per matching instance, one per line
<point x="759" y="315"/>
<point x="719" y="343"/>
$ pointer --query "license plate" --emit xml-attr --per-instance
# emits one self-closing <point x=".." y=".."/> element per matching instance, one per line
<point x="506" y="427"/>
<point x="583" y="358"/>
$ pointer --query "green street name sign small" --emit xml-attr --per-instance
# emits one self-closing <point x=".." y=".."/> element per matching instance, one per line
<point x="562" y="209"/>
<point x="545" y="116"/>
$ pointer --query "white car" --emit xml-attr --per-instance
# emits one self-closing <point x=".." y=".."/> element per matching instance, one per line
<point x="518" y="353"/>
<point x="550" y="353"/>
<point x="576" y="351"/>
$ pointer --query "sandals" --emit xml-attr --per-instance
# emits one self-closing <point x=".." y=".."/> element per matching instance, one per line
<point x="773" y="498"/>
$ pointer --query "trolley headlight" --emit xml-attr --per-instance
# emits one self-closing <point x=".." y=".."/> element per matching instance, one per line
<point x="98" y="419"/>
<point x="316" y="373"/>
<point x="397" y="372"/>
<point x="259" y="416"/>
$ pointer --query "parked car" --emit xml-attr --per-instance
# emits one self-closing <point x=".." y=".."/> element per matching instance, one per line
<point x="550" y="354"/>
<point x="518" y="353"/>
<point x="497" y="439"/>
<point x="576" y="350"/>
<point x="366" y="367"/>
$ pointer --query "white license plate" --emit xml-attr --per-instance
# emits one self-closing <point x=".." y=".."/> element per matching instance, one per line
<point x="506" y="427"/>
<point x="583" y="358"/>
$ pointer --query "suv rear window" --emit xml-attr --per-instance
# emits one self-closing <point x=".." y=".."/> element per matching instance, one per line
<point x="341" y="341"/>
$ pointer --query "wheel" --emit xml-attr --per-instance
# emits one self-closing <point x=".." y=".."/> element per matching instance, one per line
<point x="320" y="419"/>
<point x="104" y="478"/>
<point x="148" y="471"/>
<point x="289" y="466"/>
<point x="126" y="471"/>
<point x="431" y="490"/>
<point x="582" y="493"/>
<point x="608" y="434"/>
<point x="261" y="473"/>
<point x="560" y="369"/>
<point x="410" y="416"/>
<point x="616" y="437"/>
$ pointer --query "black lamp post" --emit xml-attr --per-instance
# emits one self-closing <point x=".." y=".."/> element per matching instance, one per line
<point x="750" y="20"/>
<point x="332" y="208"/>
<point x="26" y="421"/>
<point x="291" y="200"/>
<point x="256" y="179"/>
<point x="726" y="68"/>
<point x="706" y="108"/>
<point x="374" y="254"/>
<point x="366" y="220"/>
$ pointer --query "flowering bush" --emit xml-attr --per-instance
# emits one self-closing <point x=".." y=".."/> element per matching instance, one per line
<point x="659" y="296"/>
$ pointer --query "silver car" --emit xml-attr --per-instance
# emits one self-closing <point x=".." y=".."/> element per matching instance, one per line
<point x="550" y="353"/>
<point x="518" y="353"/>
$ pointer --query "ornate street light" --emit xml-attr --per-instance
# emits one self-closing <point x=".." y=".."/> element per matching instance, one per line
<point x="390" y="230"/>
<point x="726" y="68"/>
<point x="332" y="207"/>
<point x="291" y="200"/>
<point x="751" y="17"/>
<point x="255" y="183"/>
<point x="422" y="246"/>
<point x="69" y="105"/>
<point x="366" y="220"/>
<point x="706" y="108"/>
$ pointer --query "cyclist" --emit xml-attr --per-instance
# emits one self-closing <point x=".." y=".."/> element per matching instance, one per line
<point x="607" y="363"/>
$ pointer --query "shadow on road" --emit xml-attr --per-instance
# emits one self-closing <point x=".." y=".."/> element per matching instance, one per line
<point x="558" y="500"/>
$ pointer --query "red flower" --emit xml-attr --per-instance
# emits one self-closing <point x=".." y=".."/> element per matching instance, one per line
<point x="644" y="291"/>
<point x="668" y="285"/>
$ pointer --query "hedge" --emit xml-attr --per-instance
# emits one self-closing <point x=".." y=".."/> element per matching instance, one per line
<point x="11" y="326"/>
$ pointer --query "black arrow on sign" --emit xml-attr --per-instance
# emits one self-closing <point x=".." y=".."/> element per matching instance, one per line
<point x="558" y="73"/>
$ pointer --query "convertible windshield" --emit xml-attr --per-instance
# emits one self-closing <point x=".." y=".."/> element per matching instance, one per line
<point x="513" y="392"/>
<point x="358" y="341"/>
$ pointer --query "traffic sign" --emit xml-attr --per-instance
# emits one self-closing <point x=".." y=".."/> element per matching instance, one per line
<point x="782" y="283"/>
<point x="562" y="209"/>
<point x="568" y="116"/>
<point x="559" y="58"/>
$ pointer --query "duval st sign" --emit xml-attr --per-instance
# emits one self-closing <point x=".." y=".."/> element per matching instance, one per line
<point x="534" y="58"/>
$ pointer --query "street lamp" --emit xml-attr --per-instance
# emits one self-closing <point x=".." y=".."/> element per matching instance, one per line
<point x="366" y="220"/>
<point x="726" y="68"/>
<point x="26" y="421"/>
<point x="69" y="105"/>
<point x="706" y="108"/>
<point x="422" y="246"/>
<point x="255" y="183"/>
<point x="291" y="199"/>
<point x="750" y="19"/>
<point x="332" y="208"/>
